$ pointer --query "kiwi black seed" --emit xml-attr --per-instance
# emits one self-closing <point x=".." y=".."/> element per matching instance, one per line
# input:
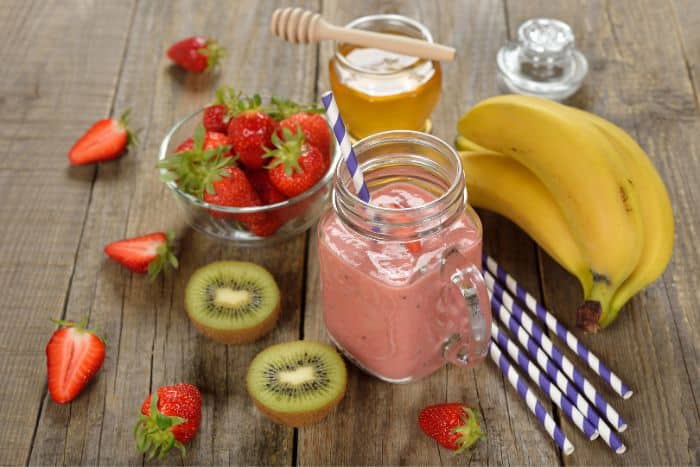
<point x="297" y="383"/>
<point x="233" y="302"/>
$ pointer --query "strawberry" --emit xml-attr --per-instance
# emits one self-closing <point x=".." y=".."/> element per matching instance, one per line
<point x="216" y="117"/>
<point x="73" y="356"/>
<point x="186" y="145"/>
<point x="315" y="130"/>
<point x="169" y="418"/>
<point x="196" y="53"/>
<point x="296" y="166"/>
<point x="235" y="190"/>
<point x="196" y="167"/>
<point x="455" y="426"/>
<point x="250" y="131"/>
<point x="212" y="139"/>
<point x="260" y="179"/>
<point x="147" y="253"/>
<point x="105" y="140"/>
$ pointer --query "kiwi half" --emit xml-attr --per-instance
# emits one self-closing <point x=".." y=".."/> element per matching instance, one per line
<point x="297" y="383"/>
<point x="232" y="302"/>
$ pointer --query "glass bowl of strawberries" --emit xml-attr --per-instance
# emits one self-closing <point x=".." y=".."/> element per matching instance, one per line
<point x="250" y="171"/>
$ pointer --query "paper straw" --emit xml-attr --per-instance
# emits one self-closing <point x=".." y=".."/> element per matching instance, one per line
<point x="530" y="399"/>
<point x="543" y="382"/>
<point x="554" y="374"/>
<point x="343" y="138"/>
<point x="553" y="324"/>
<point x="553" y="351"/>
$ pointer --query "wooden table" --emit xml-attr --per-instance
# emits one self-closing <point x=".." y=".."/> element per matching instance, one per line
<point x="66" y="64"/>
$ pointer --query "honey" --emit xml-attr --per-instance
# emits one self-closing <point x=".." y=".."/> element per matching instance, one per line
<point x="377" y="90"/>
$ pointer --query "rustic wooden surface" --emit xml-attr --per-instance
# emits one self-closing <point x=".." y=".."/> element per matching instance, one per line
<point x="68" y="63"/>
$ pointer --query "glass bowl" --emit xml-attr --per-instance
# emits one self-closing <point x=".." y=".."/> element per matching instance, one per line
<point x="295" y="215"/>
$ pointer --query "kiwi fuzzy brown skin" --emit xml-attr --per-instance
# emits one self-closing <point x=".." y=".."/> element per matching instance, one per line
<point x="298" y="420"/>
<point x="239" y="336"/>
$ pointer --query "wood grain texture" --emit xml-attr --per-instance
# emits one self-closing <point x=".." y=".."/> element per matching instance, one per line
<point x="66" y="64"/>
<point x="150" y="340"/>
<point x="45" y="103"/>
<point x="638" y="79"/>
<point x="391" y="437"/>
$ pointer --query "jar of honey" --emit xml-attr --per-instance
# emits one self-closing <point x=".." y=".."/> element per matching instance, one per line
<point x="377" y="90"/>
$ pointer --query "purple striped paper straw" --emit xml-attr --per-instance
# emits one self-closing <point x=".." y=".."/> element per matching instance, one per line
<point x="554" y="374"/>
<point x="343" y="138"/>
<point x="553" y="324"/>
<point x="530" y="399"/>
<point x="543" y="382"/>
<point x="559" y="358"/>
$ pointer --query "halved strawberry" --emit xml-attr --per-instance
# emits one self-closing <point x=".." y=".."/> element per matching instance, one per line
<point x="105" y="140"/>
<point x="73" y="356"/>
<point x="147" y="253"/>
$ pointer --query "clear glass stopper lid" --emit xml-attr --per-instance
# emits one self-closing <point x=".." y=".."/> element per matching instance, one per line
<point x="543" y="61"/>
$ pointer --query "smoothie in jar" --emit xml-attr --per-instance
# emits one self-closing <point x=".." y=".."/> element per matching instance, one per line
<point x="387" y="286"/>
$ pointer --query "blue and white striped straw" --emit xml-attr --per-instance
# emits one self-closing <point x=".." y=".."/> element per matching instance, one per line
<point x="559" y="358"/>
<point x="343" y="138"/>
<point x="554" y="374"/>
<point x="530" y="399"/>
<point x="543" y="382"/>
<point x="554" y="325"/>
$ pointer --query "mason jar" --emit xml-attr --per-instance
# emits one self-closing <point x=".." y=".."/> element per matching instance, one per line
<point x="377" y="90"/>
<point x="401" y="288"/>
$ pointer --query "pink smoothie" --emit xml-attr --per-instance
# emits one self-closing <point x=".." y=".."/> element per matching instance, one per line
<point x="389" y="306"/>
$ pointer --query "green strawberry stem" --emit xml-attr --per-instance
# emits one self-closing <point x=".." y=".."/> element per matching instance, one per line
<point x="196" y="170"/>
<point x="214" y="53"/>
<point x="287" y="150"/>
<point x="153" y="432"/>
<point x="165" y="257"/>
<point x="470" y="431"/>
<point x="131" y="138"/>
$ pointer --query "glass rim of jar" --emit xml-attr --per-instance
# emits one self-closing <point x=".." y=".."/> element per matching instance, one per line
<point x="350" y="207"/>
<point x="420" y="28"/>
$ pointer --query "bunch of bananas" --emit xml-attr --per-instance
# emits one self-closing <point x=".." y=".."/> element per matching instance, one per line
<point x="580" y="186"/>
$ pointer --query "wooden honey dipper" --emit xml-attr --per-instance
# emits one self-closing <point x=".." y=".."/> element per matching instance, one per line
<point x="300" y="26"/>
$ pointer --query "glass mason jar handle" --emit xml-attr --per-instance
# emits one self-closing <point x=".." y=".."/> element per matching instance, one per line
<point x="462" y="350"/>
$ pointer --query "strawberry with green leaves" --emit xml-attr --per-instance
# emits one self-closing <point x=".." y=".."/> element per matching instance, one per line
<point x="105" y="140"/>
<point x="149" y="253"/>
<point x="250" y="131"/>
<point x="453" y="425"/>
<point x="196" y="53"/>
<point x="74" y="355"/>
<point x="216" y="117"/>
<point x="196" y="168"/>
<point x="295" y="166"/>
<point x="170" y="418"/>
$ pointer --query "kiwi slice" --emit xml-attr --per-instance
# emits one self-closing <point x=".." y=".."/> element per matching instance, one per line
<point x="297" y="383"/>
<point x="232" y="302"/>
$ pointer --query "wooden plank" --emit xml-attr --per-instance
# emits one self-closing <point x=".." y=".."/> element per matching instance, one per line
<point x="377" y="422"/>
<point x="47" y="100"/>
<point x="150" y="341"/>
<point x="638" y="80"/>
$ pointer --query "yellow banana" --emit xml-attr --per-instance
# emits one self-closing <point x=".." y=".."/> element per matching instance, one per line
<point x="591" y="187"/>
<point x="504" y="186"/>
<point x="463" y="144"/>
<point x="656" y="206"/>
<point x="657" y="219"/>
